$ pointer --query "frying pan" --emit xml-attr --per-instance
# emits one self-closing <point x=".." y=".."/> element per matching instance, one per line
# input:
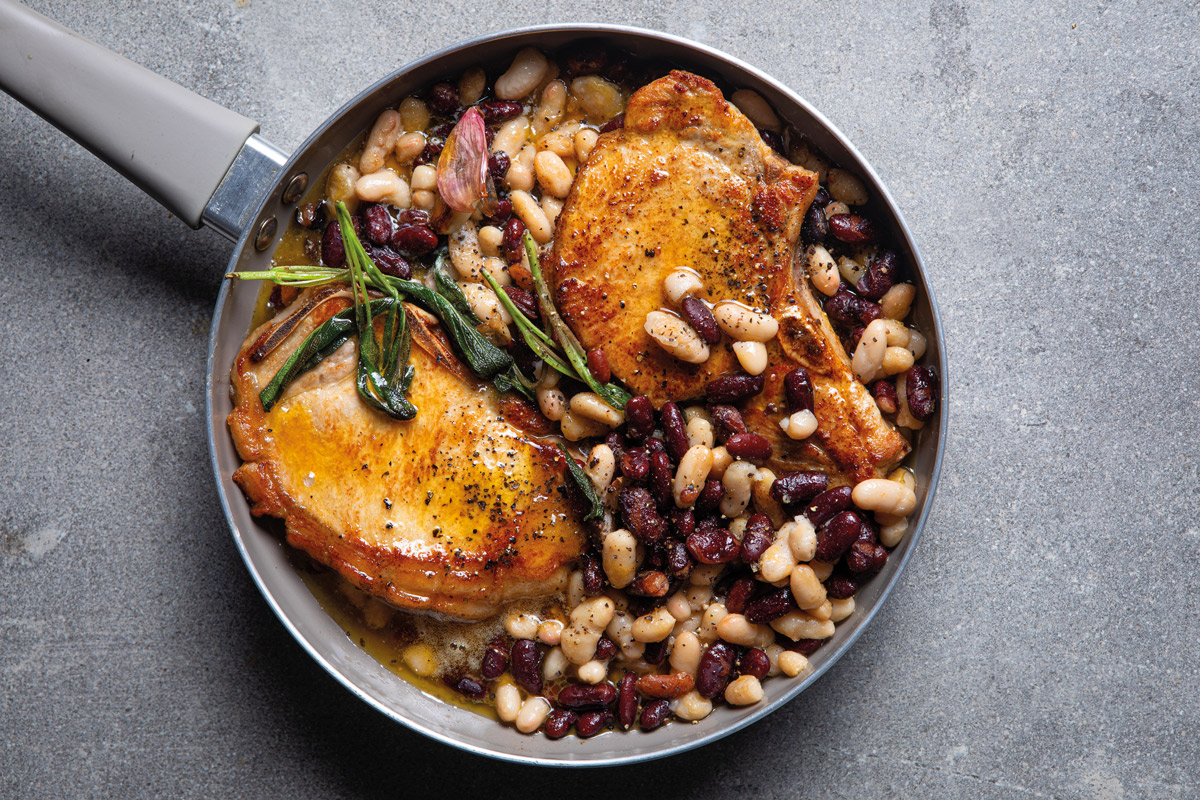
<point x="210" y="167"/>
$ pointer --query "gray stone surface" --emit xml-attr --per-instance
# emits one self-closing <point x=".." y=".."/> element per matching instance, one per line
<point x="1042" y="642"/>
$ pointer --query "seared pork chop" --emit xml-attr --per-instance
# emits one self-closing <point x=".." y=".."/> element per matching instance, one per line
<point x="688" y="182"/>
<point x="456" y="511"/>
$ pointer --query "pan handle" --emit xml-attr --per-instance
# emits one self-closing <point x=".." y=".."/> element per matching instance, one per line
<point x="175" y="145"/>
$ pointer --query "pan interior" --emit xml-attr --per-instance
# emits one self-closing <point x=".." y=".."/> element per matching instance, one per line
<point x="265" y="554"/>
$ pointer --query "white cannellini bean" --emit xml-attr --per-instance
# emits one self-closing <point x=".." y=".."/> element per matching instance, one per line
<point x="744" y="323"/>
<point x="835" y="208"/>
<point x="619" y="558"/>
<point x="868" y="356"/>
<point x="676" y="337"/>
<point x="420" y="658"/>
<point x="691" y="474"/>
<point x="600" y="467"/>
<point x="491" y="239"/>
<point x="773" y="653"/>
<point x="851" y="270"/>
<point x="801" y="538"/>
<point x="424" y="199"/>
<point x="707" y="632"/>
<point x="798" y="625"/>
<point x="756" y="109"/>
<point x="822" y="569"/>
<point x="576" y="427"/>
<point x="521" y="626"/>
<point x="737" y="481"/>
<point x="414" y="114"/>
<point x="823" y="270"/>
<point x="380" y="141"/>
<point x="560" y="141"/>
<point x="845" y="188"/>
<point x="745" y="690"/>
<point x="679" y="606"/>
<point x="592" y="672"/>
<point x="752" y="356"/>
<point x="555" y="664"/>
<point x="721" y="462"/>
<point x="552" y="173"/>
<point x="532" y="714"/>
<point x="890" y="535"/>
<point x="685" y="653"/>
<point x="424" y="177"/>
<point x="552" y="402"/>
<point x="776" y="563"/>
<point x="896" y="360"/>
<point x="575" y="593"/>
<point x="889" y="497"/>
<point x="523" y="76"/>
<point x="529" y="212"/>
<point x="680" y="283"/>
<point x="551" y="207"/>
<point x="471" y="86"/>
<point x="806" y="589"/>
<point x="840" y="609"/>
<point x="592" y="406"/>
<point x="821" y="612"/>
<point x="700" y="431"/>
<point x="585" y="141"/>
<point x="594" y="613"/>
<point x="508" y="702"/>
<point x="800" y="425"/>
<point x="764" y="479"/>
<point x="898" y="334"/>
<point x="800" y="153"/>
<point x="736" y="629"/>
<point x="520" y="175"/>
<point x="692" y="707"/>
<point x="792" y="663"/>
<point x="550" y="107"/>
<point x="916" y="343"/>
<point x="705" y="574"/>
<point x="600" y="99"/>
<point x="340" y="186"/>
<point x="511" y="137"/>
<point x="578" y="643"/>
<point x="653" y="627"/>
<point x="550" y="632"/>
<point x="897" y="301"/>
<point x="409" y="146"/>
<point x="486" y="306"/>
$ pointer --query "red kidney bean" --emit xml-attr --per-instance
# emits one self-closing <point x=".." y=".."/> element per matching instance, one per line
<point x="588" y="59"/>
<point x="840" y="586"/>
<point x="679" y="561"/>
<point x="606" y="649"/>
<point x="617" y="443"/>
<point x="739" y="594"/>
<point x="869" y="532"/>
<point x="627" y="700"/>
<point x="433" y="149"/>
<point x="836" y="535"/>
<point x="758" y="537"/>
<point x="855" y="338"/>
<point x="592" y="722"/>
<point x="579" y="696"/>
<point x="559" y="723"/>
<point x="635" y="464"/>
<point x="333" y="250"/>
<point x="414" y="239"/>
<point x="497" y="165"/>
<point x="655" y="445"/>
<point x="701" y="319"/>
<point x="378" y="224"/>
<point x="866" y="559"/>
<point x="821" y="198"/>
<point x="880" y="276"/>
<point x="712" y="544"/>
<point x="389" y="261"/>
<point x="816" y="226"/>
<point x="502" y="213"/>
<point x="683" y="522"/>
<point x="412" y="216"/>
<point x="674" y="684"/>
<point x="798" y="487"/>
<point x="885" y="396"/>
<point x="921" y="390"/>
<point x="773" y="140"/>
<point x="655" y="652"/>
<point x="662" y="479"/>
<point x="797" y="386"/>
<point x="826" y="504"/>
<point x="674" y="430"/>
<point x="613" y="124"/>
<point x="852" y="228"/>
<point x="310" y="215"/>
<point x="525" y="302"/>
<point x="710" y="496"/>
<point x="850" y="310"/>
<point x="733" y="388"/>
<point x="755" y="662"/>
<point x="716" y="664"/>
<point x="499" y="110"/>
<point x="650" y="583"/>
<point x="443" y="99"/>
<point x="640" y="515"/>
<point x="527" y="665"/>
<point x="598" y="364"/>
<point x="495" y="659"/>
<point x="639" y="417"/>
<point x="749" y="446"/>
<point x="806" y="646"/>
<point x="727" y="421"/>
<point x="512" y="245"/>
<point x="654" y="714"/>
<point x="468" y="687"/>
<point x="770" y="606"/>
<point x="594" y="579"/>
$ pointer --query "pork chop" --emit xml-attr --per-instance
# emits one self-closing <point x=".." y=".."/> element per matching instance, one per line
<point x="457" y="511"/>
<point x="688" y="182"/>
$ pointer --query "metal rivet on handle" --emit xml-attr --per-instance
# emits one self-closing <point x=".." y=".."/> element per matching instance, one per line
<point x="295" y="188"/>
<point x="266" y="233"/>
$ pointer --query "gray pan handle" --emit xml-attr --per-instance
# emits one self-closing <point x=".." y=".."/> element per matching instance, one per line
<point x="175" y="145"/>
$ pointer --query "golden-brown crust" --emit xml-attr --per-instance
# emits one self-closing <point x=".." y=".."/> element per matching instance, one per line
<point x="688" y="182"/>
<point x="456" y="511"/>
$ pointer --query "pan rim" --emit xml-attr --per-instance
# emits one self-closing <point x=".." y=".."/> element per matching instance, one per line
<point x="649" y="751"/>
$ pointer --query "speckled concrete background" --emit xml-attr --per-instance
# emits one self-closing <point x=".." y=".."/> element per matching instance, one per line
<point x="1042" y="642"/>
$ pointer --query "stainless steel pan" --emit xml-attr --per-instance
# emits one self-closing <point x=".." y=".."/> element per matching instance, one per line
<point x="209" y="166"/>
